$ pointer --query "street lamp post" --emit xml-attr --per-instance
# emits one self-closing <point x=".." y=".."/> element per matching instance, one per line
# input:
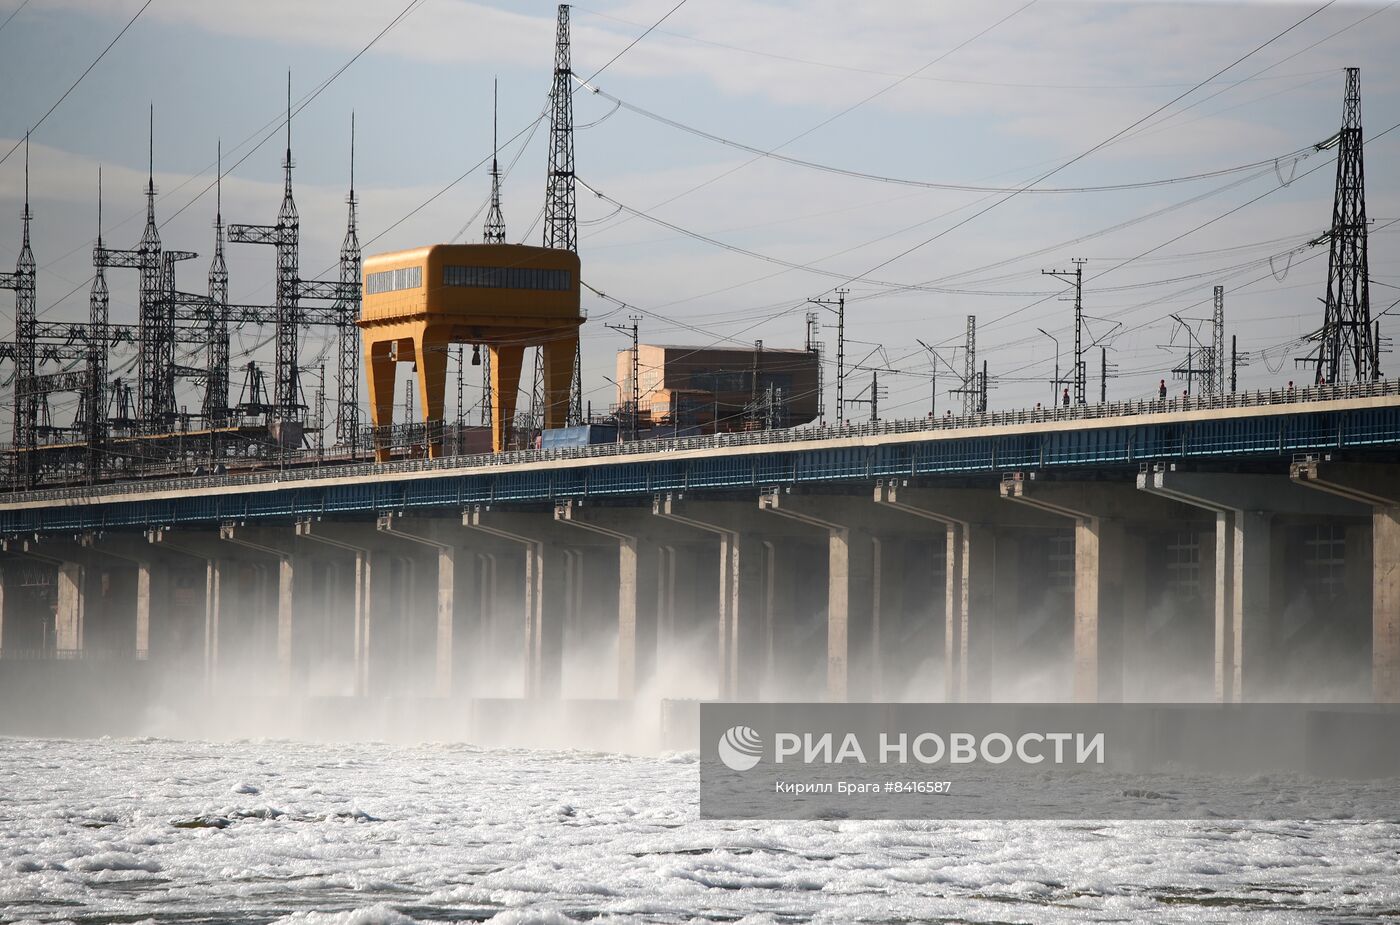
<point x="1054" y="386"/>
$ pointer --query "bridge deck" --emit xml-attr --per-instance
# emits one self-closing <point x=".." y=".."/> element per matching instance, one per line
<point x="1249" y="426"/>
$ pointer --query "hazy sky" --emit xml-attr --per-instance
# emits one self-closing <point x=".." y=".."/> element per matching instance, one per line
<point x="896" y="90"/>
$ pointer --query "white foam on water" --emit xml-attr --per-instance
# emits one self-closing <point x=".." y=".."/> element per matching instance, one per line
<point x="375" y="834"/>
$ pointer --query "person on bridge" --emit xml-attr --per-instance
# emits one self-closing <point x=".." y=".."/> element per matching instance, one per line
<point x="1161" y="390"/>
<point x="1065" y="400"/>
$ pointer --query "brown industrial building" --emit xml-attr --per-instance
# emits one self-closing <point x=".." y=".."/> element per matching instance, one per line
<point x="720" y="388"/>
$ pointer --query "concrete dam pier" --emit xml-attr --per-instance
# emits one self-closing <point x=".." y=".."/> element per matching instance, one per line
<point x="893" y="563"/>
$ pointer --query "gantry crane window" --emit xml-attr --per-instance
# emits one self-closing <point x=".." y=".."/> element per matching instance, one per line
<point x="394" y="280"/>
<point x="537" y="278"/>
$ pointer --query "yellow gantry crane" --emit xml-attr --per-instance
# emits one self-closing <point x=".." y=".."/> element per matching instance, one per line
<point x="417" y="303"/>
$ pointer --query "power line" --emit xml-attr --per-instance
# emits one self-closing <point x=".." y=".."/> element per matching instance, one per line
<point x="832" y="65"/>
<point x="632" y="44"/>
<point x="35" y="127"/>
<point x="1327" y="38"/>
<point x="829" y="119"/>
<point x="926" y="184"/>
<point x="1022" y="188"/>
<point x="304" y="102"/>
<point x="13" y="14"/>
<point x="1091" y="150"/>
<point x="1196" y="228"/>
<point x="268" y="130"/>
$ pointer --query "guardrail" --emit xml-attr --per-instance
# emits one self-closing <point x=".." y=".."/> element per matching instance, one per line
<point x="317" y="470"/>
<point x="36" y="654"/>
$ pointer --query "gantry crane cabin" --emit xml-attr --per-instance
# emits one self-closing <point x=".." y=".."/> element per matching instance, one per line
<point x="506" y="297"/>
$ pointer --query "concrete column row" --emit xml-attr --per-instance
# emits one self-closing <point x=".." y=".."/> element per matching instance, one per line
<point x="1244" y="507"/>
<point x="1377" y="489"/>
<point x="981" y="532"/>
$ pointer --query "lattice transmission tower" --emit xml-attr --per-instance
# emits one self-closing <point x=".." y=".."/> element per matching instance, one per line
<point x="494" y="231"/>
<point x="1348" y="348"/>
<point x="347" y="312"/>
<point x="22" y="282"/>
<point x="216" y="361"/>
<point x="284" y="238"/>
<point x="560" y="204"/>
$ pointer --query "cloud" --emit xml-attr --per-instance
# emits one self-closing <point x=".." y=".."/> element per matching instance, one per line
<point x="1046" y="85"/>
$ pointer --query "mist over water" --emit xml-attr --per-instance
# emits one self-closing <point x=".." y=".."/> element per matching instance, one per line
<point x="153" y="789"/>
<point x="1021" y="650"/>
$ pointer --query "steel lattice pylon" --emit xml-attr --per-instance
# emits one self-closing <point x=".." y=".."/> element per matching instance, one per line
<point x="560" y="206"/>
<point x="1348" y="350"/>
<point x="155" y="387"/>
<point x="286" y="392"/>
<point x="95" y="398"/>
<point x="22" y="281"/>
<point x="347" y="418"/>
<point x="216" y="382"/>
<point x="284" y="238"/>
<point x="494" y="231"/>
<point x="560" y="213"/>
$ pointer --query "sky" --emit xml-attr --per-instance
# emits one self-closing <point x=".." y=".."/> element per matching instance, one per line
<point x="877" y="108"/>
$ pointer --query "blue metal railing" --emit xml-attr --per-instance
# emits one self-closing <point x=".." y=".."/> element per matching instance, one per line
<point x="853" y="464"/>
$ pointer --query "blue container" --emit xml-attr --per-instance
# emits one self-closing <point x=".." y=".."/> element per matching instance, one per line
<point x="580" y="435"/>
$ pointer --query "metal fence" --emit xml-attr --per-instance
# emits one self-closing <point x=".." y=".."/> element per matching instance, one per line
<point x="305" y="466"/>
<point x="40" y="654"/>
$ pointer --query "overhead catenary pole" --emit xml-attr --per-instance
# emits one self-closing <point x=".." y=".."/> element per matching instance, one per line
<point x="486" y="402"/>
<point x="973" y="394"/>
<point x="838" y="305"/>
<point x="1234" y="365"/>
<point x="537" y="397"/>
<point x="1217" y="341"/>
<point x="840" y="351"/>
<point x="321" y="411"/>
<point x="461" y="390"/>
<point x="1237" y="360"/>
<point x="933" y="378"/>
<point x="1199" y="363"/>
<point x="1103" y="375"/>
<point x="1079" y="375"/>
<point x="631" y="329"/>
